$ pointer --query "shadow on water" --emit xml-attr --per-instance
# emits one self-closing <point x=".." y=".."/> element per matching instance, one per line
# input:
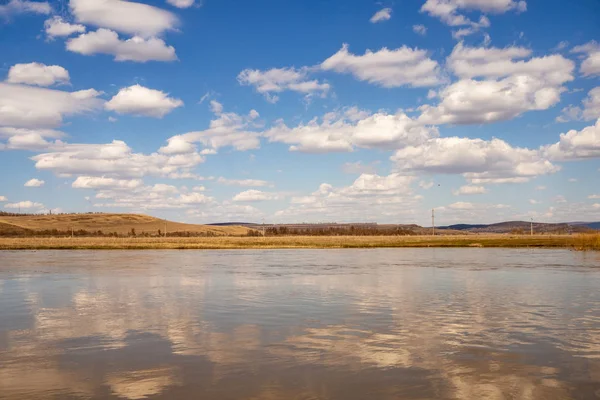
<point x="310" y="324"/>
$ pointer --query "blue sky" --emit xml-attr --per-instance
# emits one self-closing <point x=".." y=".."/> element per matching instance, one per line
<point x="290" y="111"/>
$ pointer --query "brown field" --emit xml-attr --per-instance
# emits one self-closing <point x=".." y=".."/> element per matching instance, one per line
<point x="109" y="223"/>
<point x="284" y="242"/>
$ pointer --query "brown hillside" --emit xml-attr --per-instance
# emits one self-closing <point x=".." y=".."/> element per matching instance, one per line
<point x="108" y="223"/>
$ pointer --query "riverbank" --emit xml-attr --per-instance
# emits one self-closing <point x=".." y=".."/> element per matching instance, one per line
<point x="293" y="242"/>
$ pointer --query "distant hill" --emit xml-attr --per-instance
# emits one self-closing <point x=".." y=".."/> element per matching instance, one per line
<point x="106" y="223"/>
<point x="524" y="226"/>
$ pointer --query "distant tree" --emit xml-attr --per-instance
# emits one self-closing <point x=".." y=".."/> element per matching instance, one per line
<point x="132" y="231"/>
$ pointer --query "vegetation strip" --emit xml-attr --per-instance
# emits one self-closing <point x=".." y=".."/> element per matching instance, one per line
<point x="578" y="242"/>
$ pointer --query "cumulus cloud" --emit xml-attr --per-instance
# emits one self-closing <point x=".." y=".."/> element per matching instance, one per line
<point x="34" y="183"/>
<point x="369" y="197"/>
<point x="181" y="3"/>
<point x="158" y="196"/>
<point x="381" y="15"/>
<point x="478" y="160"/>
<point x="591" y="62"/>
<point x="28" y="139"/>
<point x="358" y="168"/>
<point x="124" y="16"/>
<point x="37" y="74"/>
<point x="226" y="130"/>
<point x="254" y="195"/>
<point x="420" y="29"/>
<point x="3" y="198"/>
<point x="589" y="111"/>
<point x="57" y="27"/>
<point x="343" y="130"/>
<point x="137" y="49"/>
<point x="388" y="68"/>
<point x="25" y="205"/>
<point x="177" y="145"/>
<point x="15" y="7"/>
<point x="449" y="12"/>
<point x="497" y="84"/>
<point x="277" y="80"/>
<point x="576" y="145"/>
<point x="114" y="160"/>
<point x="242" y="182"/>
<point x="470" y="189"/>
<point x="32" y="107"/>
<point x="101" y="182"/>
<point x="142" y="101"/>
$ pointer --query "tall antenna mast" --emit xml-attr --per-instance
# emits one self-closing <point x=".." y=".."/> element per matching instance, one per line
<point x="433" y="222"/>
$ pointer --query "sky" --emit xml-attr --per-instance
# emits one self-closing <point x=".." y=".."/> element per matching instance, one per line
<point x="302" y="111"/>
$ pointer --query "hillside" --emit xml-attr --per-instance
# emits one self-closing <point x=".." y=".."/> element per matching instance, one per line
<point x="521" y="226"/>
<point x="107" y="223"/>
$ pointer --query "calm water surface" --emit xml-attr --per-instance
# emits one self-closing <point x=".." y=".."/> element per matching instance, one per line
<point x="300" y="324"/>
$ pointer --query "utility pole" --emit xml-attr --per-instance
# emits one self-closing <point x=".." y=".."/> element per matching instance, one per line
<point x="531" y="231"/>
<point x="71" y="232"/>
<point x="263" y="227"/>
<point x="165" y="228"/>
<point x="432" y="222"/>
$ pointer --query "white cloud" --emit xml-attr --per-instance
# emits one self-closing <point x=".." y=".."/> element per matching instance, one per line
<point x="30" y="107"/>
<point x="242" y="182"/>
<point x="28" y="139"/>
<point x="478" y="160"/>
<point x="448" y="11"/>
<point x="572" y="180"/>
<point x="3" y="198"/>
<point x="142" y="101"/>
<point x="594" y="196"/>
<point x="470" y="189"/>
<point x="15" y="7"/>
<point x="37" y="74"/>
<point x="533" y="201"/>
<point x="34" y="183"/>
<point x="277" y="80"/>
<point x="381" y="15"/>
<point x="511" y="86"/>
<point x="101" y="182"/>
<point x="124" y="16"/>
<point x="388" y="68"/>
<point x="158" y="196"/>
<point x="115" y="160"/>
<point x="590" y="110"/>
<point x="358" y="168"/>
<point x="177" y="145"/>
<point x="420" y="29"/>
<point x="343" y="130"/>
<point x="426" y="185"/>
<point x="24" y="205"/>
<point x="181" y="3"/>
<point x="137" y="49"/>
<point x="591" y="63"/>
<point x="576" y="145"/>
<point x="56" y="27"/>
<point x="540" y="188"/>
<point x="254" y="195"/>
<point x="228" y="129"/>
<point x="369" y="197"/>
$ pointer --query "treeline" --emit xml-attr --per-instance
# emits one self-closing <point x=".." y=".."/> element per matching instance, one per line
<point x="333" y="231"/>
<point x="85" y="233"/>
<point x="13" y="214"/>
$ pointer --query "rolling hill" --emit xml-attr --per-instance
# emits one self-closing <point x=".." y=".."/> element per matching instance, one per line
<point x="107" y="223"/>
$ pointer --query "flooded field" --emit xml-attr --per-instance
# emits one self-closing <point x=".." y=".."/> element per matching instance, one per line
<point x="300" y="324"/>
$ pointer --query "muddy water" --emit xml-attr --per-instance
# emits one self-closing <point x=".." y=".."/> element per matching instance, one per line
<point x="300" y="324"/>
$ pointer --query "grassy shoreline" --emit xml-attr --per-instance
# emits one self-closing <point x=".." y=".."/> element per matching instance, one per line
<point x="303" y="242"/>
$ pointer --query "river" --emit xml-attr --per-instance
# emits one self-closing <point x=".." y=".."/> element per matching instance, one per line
<point x="300" y="324"/>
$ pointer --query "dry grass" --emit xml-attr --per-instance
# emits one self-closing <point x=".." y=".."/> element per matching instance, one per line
<point x="283" y="242"/>
<point x="108" y="223"/>
<point x="587" y="241"/>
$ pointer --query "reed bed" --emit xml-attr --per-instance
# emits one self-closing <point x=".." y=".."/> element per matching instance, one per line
<point x="587" y="241"/>
<point x="294" y="242"/>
